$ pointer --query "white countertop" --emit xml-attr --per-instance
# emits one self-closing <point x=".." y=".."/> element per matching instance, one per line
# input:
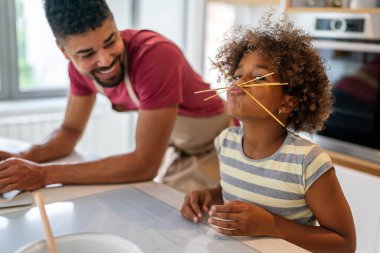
<point x="160" y="192"/>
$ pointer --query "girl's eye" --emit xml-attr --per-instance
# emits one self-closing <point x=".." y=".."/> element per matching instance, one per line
<point x="259" y="78"/>
<point x="236" y="78"/>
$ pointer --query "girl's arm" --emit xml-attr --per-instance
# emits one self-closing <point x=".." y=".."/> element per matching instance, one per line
<point x="336" y="232"/>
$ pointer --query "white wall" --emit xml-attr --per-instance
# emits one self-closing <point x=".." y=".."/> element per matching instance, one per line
<point x="107" y="132"/>
<point x="362" y="192"/>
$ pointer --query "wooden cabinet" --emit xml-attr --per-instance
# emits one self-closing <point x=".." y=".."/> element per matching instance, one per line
<point x="358" y="164"/>
<point x="302" y="6"/>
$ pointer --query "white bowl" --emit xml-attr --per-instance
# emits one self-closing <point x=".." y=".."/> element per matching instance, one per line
<point x="89" y="242"/>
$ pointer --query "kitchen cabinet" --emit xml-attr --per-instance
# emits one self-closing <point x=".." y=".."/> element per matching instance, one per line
<point x="301" y="6"/>
<point x="354" y="163"/>
<point x="362" y="193"/>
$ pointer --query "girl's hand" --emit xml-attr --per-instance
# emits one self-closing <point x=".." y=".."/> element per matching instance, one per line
<point x="194" y="202"/>
<point x="237" y="218"/>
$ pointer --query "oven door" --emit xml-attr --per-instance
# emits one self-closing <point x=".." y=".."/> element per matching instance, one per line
<point x="353" y="68"/>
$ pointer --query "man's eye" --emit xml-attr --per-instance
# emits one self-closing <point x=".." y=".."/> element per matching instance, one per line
<point x="109" y="44"/>
<point x="87" y="55"/>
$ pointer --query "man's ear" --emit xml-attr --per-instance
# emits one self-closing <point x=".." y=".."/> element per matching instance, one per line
<point x="60" y="46"/>
<point x="288" y="104"/>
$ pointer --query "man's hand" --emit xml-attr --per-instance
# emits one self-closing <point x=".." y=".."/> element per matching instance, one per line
<point x="237" y="218"/>
<point x="194" y="202"/>
<point x="20" y="174"/>
<point x="5" y="155"/>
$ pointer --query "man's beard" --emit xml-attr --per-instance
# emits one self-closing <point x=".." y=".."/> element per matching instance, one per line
<point x="116" y="80"/>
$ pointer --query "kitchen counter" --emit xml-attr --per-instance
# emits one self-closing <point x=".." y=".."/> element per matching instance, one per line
<point x="81" y="195"/>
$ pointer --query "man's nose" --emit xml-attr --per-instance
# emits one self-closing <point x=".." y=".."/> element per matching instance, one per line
<point x="104" y="58"/>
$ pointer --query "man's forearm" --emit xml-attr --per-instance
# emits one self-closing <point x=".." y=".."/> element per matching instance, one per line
<point x="60" y="143"/>
<point x="124" y="168"/>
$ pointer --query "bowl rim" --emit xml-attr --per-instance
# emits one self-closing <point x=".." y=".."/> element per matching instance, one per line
<point x="31" y="244"/>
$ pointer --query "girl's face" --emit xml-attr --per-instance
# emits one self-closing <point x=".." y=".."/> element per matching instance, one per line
<point x="242" y="106"/>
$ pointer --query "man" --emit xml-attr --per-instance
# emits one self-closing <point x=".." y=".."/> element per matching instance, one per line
<point x="136" y="70"/>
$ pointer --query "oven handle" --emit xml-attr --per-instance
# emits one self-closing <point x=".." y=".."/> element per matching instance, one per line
<point x="347" y="46"/>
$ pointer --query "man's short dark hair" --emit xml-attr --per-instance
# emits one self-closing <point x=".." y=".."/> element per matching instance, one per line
<point x="73" y="17"/>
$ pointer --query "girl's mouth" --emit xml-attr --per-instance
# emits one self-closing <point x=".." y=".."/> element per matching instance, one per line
<point x="236" y="91"/>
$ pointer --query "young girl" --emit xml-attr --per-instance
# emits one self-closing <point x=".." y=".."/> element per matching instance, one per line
<point x="273" y="182"/>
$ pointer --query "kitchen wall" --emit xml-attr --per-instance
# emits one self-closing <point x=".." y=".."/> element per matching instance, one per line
<point x="362" y="191"/>
<point x="107" y="133"/>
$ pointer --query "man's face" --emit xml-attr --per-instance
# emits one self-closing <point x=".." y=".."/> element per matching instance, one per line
<point x="99" y="54"/>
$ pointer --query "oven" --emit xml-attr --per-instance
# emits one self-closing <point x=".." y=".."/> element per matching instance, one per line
<point x="350" y="43"/>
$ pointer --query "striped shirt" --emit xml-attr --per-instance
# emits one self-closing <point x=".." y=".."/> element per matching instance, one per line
<point x="277" y="183"/>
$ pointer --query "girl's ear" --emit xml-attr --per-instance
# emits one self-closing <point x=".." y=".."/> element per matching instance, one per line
<point x="288" y="104"/>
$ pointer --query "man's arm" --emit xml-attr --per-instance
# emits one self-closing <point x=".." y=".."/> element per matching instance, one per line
<point x="152" y="135"/>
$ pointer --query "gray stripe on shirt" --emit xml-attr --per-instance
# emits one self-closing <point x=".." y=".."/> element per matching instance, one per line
<point x="273" y="174"/>
<point x="262" y="190"/>
<point x="311" y="155"/>
<point x="325" y="167"/>
<point x="306" y="220"/>
<point x="280" y="157"/>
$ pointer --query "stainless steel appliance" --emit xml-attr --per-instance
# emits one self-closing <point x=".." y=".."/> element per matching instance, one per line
<point x="351" y="45"/>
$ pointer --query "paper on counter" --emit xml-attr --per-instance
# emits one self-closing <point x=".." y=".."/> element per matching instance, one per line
<point x="11" y="194"/>
<point x="14" y="198"/>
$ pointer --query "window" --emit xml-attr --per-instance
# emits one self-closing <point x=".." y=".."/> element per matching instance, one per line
<point x="39" y="61"/>
<point x="3" y="55"/>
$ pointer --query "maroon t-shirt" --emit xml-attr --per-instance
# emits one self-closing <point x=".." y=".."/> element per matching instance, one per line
<point x="160" y="77"/>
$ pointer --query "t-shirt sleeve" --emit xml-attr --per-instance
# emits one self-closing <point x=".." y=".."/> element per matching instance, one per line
<point x="158" y="77"/>
<point x="78" y="85"/>
<point x="216" y="144"/>
<point x="315" y="164"/>
<point x="218" y="141"/>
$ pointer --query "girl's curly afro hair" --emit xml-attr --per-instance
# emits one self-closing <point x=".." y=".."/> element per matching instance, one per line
<point x="293" y="59"/>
